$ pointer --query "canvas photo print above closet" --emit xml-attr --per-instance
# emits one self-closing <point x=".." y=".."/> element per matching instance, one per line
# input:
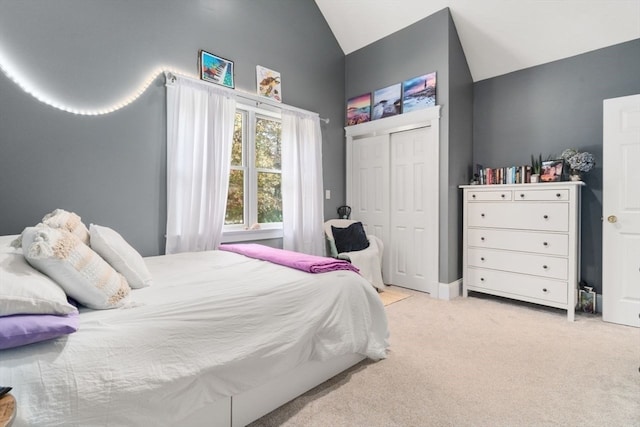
<point x="359" y="109"/>
<point x="419" y="92"/>
<point x="387" y="102"/>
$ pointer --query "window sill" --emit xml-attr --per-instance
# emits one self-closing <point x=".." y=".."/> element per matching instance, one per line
<point x="250" y="235"/>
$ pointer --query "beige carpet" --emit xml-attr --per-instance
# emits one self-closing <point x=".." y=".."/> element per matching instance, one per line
<point x="481" y="361"/>
<point x="391" y="295"/>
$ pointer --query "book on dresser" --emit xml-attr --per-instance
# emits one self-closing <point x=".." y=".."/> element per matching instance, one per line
<point x="522" y="241"/>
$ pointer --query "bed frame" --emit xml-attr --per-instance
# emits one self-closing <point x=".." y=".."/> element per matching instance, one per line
<point x="248" y="406"/>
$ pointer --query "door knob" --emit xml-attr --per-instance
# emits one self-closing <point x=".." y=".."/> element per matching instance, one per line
<point x="612" y="219"/>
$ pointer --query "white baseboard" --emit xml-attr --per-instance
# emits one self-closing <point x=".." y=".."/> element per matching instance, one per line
<point x="449" y="291"/>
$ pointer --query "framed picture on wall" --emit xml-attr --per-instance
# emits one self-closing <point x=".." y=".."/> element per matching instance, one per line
<point x="552" y="170"/>
<point x="216" y="69"/>
<point x="359" y="109"/>
<point x="269" y="83"/>
<point x="419" y="92"/>
<point x="387" y="102"/>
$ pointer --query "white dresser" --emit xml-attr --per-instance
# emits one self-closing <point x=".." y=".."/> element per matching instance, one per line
<point x="522" y="241"/>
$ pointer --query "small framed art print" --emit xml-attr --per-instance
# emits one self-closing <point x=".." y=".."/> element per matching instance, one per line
<point x="269" y="83"/>
<point x="216" y="69"/>
<point x="552" y="170"/>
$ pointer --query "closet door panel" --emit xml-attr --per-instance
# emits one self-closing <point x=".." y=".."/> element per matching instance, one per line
<point x="412" y="245"/>
<point x="370" y="172"/>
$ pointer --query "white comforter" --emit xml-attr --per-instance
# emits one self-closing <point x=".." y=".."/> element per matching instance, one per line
<point x="213" y="324"/>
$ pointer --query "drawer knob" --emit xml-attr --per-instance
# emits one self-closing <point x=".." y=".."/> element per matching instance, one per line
<point x="473" y="196"/>
<point x="522" y="195"/>
<point x="481" y="258"/>
<point x="545" y="244"/>
<point x="502" y="195"/>
<point x="482" y="238"/>
<point x="544" y="290"/>
<point x="546" y="216"/>
<point x="545" y="267"/>
<point x="558" y="195"/>
<point x="482" y="279"/>
<point x="482" y="215"/>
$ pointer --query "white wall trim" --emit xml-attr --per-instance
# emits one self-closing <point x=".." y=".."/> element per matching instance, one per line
<point x="449" y="291"/>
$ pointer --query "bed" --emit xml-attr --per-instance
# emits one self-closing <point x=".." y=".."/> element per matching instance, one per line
<point x="219" y="339"/>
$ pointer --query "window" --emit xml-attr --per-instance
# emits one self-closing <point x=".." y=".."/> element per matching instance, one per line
<point x="255" y="195"/>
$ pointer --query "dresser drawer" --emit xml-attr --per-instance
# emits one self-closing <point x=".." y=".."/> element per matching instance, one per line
<point x="516" y="285"/>
<point x="489" y="195"/>
<point x="541" y="195"/>
<point x="539" y="265"/>
<point x="543" y="216"/>
<point x="525" y="241"/>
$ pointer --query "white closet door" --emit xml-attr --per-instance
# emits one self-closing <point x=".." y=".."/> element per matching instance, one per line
<point x="370" y="183"/>
<point x="414" y="210"/>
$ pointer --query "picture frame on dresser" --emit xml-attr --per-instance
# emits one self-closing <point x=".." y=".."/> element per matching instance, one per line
<point x="553" y="171"/>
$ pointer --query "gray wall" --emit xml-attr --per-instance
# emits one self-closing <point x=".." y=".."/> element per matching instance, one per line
<point x="554" y="106"/>
<point x="111" y="169"/>
<point x="430" y="44"/>
<point x="460" y="149"/>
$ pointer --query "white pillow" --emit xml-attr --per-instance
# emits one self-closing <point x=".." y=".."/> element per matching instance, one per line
<point x="69" y="221"/>
<point x="111" y="246"/>
<point x="24" y="290"/>
<point x="75" y="267"/>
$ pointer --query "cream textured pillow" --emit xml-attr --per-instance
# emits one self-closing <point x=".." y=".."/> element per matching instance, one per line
<point x="24" y="290"/>
<point x="75" y="267"/>
<point x="69" y="221"/>
<point x="111" y="246"/>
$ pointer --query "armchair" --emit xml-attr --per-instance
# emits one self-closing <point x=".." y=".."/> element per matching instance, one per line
<point x="347" y="240"/>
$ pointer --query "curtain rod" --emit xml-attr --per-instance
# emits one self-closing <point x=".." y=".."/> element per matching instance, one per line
<point x="242" y="94"/>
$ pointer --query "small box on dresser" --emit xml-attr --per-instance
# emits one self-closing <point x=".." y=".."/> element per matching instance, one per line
<point x="522" y="241"/>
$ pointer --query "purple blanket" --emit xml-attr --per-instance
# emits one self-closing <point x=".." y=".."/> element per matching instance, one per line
<point x="300" y="261"/>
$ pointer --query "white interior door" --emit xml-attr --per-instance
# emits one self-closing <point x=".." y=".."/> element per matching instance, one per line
<point x="370" y="182"/>
<point x="414" y="211"/>
<point x="621" y="211"/>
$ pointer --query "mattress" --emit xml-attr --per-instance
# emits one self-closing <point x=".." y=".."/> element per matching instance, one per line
<point x="213" y="324"/>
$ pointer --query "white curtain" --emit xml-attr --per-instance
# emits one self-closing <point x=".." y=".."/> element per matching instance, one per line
<point x="200" y="121"/>
<point x="302" y="203"/>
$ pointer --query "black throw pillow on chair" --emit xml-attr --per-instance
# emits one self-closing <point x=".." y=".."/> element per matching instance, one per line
<point x="352" y="238"/>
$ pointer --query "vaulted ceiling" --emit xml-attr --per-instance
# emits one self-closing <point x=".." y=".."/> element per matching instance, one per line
<point x="498" y="36"/>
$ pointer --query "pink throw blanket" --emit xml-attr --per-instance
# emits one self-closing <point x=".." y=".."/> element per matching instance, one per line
<point x="300" y="261"/>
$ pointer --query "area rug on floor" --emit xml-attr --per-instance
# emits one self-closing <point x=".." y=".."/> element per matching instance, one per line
<point x="391" y="296"/>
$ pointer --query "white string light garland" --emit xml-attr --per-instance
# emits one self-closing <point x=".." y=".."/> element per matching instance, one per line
<point x="41" y="96"/>
<point x="29" y="88"/>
